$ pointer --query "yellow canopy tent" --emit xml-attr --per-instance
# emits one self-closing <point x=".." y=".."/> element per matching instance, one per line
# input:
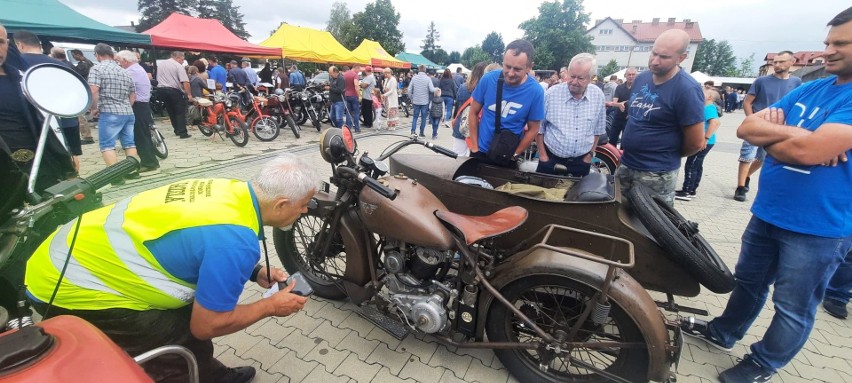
<point x="311" y="45"/>
<point x="372" y="53"/>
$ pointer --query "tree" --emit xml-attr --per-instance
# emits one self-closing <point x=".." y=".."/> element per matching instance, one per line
<point x="378" y="22"/>
<point x="715" y="59"/>
<point x="430" y="43"/>
<point x="155" y="11"/>
<point x="339" y="20"/>
<point x="455" y="57"/>
<point x="493" y="46"/>
<point x="558" y="33"/>
<point x="610" y="68"/>
<point x="438" y="56"/>
<point x="226" y="12"/>
<point x="746" y="67"/>
<point x="473" y="56"/>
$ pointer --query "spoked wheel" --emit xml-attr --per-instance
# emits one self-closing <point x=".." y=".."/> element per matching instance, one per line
<point x="159" y="143"/>
<point x="265" y="128"/>
<point x="555" y="303"/>
<point x="603" y="164"/>
<point x="293" y="127"/>
<point x="240" y="136"/>
<point x="315" y="120"/>
<point x="296" y="251"/>
<point x="406" y="109"/>
<point x="681" y="240"/>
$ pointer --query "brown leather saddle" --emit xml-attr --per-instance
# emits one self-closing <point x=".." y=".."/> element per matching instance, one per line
<point x="475" y="228"/>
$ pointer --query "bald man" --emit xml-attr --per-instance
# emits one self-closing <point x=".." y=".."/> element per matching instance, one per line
<point x="666" y="110"/>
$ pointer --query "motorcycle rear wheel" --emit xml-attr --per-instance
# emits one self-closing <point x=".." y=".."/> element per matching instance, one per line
<point x="554" y="303"/>
<point x="265" y="128"/>
<point x="240" y="136"/>
<point x="293" y="245"/>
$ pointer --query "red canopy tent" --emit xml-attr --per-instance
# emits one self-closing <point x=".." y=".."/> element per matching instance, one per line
<point x="185" y="32"/>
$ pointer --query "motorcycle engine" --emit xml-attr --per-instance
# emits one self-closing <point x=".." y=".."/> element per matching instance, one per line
<point x="414" y="292"/>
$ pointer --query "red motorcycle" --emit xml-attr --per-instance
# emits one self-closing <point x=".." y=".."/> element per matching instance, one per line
<point x="279" y="109"/>
<point x="262" y="125"/>
<point x="222" y="115"/>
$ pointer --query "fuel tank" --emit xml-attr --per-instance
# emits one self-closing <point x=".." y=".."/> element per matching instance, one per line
<point x="409" y="218"/>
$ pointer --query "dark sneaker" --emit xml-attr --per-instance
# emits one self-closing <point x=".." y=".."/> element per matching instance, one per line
<point x="185" y="135"/>
<point x="87" y="141"/>
<point x="835" y="308"/>
<point x="746" y="371"/>
<point x="145" y="169"/>
<point x="748" y="180"/>
<point x="740" y="193"/>
<point x="434" y="136"/>
<point x="698" y="329"/>
<point x="242" y="374"/>
<point x="422" y="135"/>
<point x="683" y="195"/>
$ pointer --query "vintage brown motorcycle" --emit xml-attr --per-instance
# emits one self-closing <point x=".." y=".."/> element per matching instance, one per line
<point x="554" y="306"/>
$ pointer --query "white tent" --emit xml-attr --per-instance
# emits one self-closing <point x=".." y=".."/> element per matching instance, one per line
<point x="619" y="74"/>
<point x="452" y="68"/>
<point x="702" y="78"/>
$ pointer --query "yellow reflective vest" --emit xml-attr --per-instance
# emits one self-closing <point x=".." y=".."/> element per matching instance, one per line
<point x="110" y="267"/>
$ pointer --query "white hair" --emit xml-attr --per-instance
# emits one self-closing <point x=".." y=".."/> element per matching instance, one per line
<point x="285" y="176"/>
<point x="585" y="58"/>
<point x="127" y="56"/>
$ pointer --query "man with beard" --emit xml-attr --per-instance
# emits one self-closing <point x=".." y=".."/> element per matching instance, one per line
<point x="666" y="110"/>
<point x="765" y="91"/>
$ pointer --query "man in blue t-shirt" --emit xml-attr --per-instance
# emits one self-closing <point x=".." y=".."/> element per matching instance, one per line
<point x="801" y="229"/>
<point x="765" y="91"/>
<point x="665" y="120"/>
<point x="217" y="73"/>
<point x="522" y="107"/>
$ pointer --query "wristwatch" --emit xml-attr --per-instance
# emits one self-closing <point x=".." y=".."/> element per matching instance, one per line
<point x="514" y="157"/>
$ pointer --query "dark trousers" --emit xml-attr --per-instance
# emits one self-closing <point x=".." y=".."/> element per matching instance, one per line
<point x="694" y="169"/>
<point x="576" y="166"/>
<point x="367" y="112"/>
<point x="142" y="134"/>
<point x="140" y="331"/>
<point x="175" y="102"/>
<point x="616" y="129"/>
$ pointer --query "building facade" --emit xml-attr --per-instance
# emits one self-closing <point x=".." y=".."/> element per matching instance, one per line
<point x="804" y="59"/>
<point x="629" y="43"/>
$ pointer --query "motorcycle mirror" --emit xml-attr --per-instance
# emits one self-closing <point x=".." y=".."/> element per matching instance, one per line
<point x="57" y="90"/>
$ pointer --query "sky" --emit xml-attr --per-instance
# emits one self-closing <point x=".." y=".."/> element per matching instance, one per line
<point x="750" y="26"/>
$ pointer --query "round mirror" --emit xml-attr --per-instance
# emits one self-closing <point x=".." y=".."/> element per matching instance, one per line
<point x="57" y="90"/>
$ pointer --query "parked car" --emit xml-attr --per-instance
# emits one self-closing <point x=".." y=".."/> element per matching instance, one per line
<point x="320" y="78"/>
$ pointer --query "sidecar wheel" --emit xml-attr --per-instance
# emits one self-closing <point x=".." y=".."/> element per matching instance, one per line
<point x="681" y="240"/>
<point x="324" y="275"/>
<point x="554" y="303"/>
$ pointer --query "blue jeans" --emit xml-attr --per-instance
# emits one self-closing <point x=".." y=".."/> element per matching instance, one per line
<point x="337" y="113"/>
<point x="751" y="153"/>
<point x="421" y="112"/>
<point x="115" y="126"/>
<point x="575" y="165"/>
<point x="840" y="286"/>
<point x="799" y="265"/>
<point x="448" y="107"/>
<point x="435" y="122"/>
<point x="693" y="169"/>
<point x="353" y="103"/>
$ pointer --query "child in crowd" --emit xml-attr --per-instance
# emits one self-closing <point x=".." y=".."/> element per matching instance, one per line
<point x="377" y="108"/>
<point x="436" y="111"/>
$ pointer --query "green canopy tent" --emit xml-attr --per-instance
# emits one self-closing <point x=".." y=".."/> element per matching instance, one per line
<point x="416" y="60"/>
<point x="52" y="20"/>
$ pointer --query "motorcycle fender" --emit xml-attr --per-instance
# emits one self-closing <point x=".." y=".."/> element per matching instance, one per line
<point x="610" y="151"/>
<point x="625" y="292"/>
<point x="352" y="233"/>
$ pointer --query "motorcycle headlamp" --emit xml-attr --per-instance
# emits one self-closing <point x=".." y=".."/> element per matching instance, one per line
<point x="336" y="144"/>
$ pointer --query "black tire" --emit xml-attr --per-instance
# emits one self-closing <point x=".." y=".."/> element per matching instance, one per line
<point x="159" y="143"/>
<point x="265" y="128"/>
<point x="205" y="130"/>
<point x="291" y="246"/>
<point x="293" y="127"/>
<point x="604" y="164"/>
<point x="240" y="136"/>
<point x="406" y="109"/>
<point x="554" y="302"/>
<point x="681" y="240"/>
<point x="315" y="119"/>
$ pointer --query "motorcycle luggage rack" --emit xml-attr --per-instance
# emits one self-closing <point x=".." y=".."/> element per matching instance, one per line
<point x="584" y="244"/>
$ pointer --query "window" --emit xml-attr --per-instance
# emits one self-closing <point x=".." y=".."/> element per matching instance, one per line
<point x="605" y="31"/>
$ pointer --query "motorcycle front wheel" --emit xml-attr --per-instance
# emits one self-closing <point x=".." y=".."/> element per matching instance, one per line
<point x="323" y="271"/>
<point x="265" y="128"/>
<point x="315" y="120"/>
<point x="240" y="136"/>
<point x="159" y="143"/>
<point x="293" y="127"/>
<point x="555" y="303"/>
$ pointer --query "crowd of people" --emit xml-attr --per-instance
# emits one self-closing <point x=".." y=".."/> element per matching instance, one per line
<point x="798" y="239"/>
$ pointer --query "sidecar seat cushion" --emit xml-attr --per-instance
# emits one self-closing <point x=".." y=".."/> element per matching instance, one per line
<point x="595" y="187"/>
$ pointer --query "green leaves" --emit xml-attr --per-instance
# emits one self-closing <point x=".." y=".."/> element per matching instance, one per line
<point x="715" y="58"/>
<point x="558" y="33"/>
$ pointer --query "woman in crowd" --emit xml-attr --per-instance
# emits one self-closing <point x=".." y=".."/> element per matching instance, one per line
<point x="448" y="94"/>
<point x="465" y="90"/>
<point x="282" y="79"/>
<point x="390" y="98"/>
<point x="202" y="70"/>
<point x="265" y="74"/>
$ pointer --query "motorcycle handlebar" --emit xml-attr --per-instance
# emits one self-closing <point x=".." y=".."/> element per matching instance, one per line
<point x="113" y="173"/>
<point x="441" y="150"/>
<point x="374" y="184"/>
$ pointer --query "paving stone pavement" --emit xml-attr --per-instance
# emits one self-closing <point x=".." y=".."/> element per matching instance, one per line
<point x="328" y="342"/>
